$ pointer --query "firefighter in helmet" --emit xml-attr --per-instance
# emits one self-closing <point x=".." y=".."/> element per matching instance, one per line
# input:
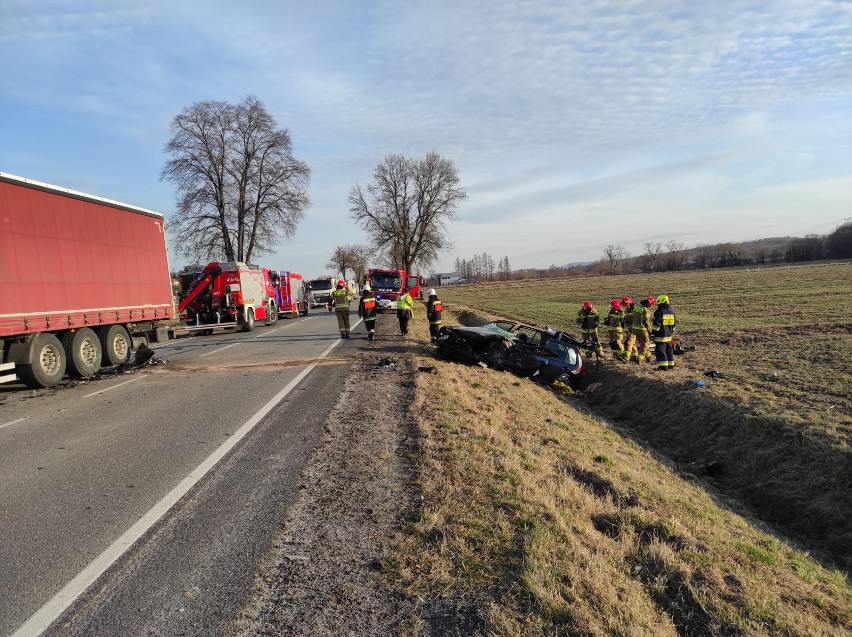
<point x="588" y="320"/>
<point x="404" y="311"/>
<point x="340" y="302"/>
<point x="662" y="330"/>
<point x="641" y="328"/>
<point x="614" y="322"/>
<point x="434" y="311"/>
<point x="629" y="340"/>
<point x="367" y="308"/>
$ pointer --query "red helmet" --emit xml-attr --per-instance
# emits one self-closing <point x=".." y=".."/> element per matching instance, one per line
<point x="652" y="301"/>
<point x="587" y="305"/>
<point x="341" y="282"/>
<point x="615" y="304"/>
<point x="627" y="301"/>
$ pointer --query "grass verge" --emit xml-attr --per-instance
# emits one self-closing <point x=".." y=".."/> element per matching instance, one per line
<point x="774" y="427"/>
<point x="539" y="519"/>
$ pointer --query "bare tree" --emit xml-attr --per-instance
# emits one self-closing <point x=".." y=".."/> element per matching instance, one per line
<point x="504" y="268"/>
<point x="676" y="255"/>
<point x="488" y="265"/>
<point x="342" y="259"/>
<point x="651" y="257"/>
<point x="240" y="189"/>
<point x="360" y="260"/>
<point x="406" y="208"/>
<point x="613" y="254"/>
<point x="476" y="266"/>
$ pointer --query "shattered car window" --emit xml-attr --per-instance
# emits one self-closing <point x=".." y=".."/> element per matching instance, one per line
<point x="500" y="327"/>
<point x="565" y="353"/>
<point x="529" y="335"/>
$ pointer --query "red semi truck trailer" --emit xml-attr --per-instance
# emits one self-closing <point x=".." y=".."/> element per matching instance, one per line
<point x="80" y="276"/>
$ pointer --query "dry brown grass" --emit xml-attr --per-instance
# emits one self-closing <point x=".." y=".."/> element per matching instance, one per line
<point x="540" y="519"/>
<point x="775" y="426"/>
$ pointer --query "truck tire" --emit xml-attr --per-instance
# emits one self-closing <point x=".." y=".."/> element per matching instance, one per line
<point x="48" y="362"/>
<point x="83" y="352"/>
<point x="115" y="344"/>
<point x="248" y="325"/>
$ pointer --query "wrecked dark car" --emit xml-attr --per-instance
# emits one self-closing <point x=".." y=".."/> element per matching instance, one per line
<point x="545" y="356"/>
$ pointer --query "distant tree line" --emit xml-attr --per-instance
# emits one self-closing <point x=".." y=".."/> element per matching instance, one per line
<point x="674" y="255"/>
<point x="481" y="267"/>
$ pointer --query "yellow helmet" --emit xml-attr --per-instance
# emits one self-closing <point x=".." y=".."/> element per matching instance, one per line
<point x="662" y="299"/>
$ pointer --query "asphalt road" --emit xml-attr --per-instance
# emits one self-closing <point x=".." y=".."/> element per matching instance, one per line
<point x="142" y="504"/>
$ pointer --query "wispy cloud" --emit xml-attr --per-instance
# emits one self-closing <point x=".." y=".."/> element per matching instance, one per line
<point x="576" y="111"/>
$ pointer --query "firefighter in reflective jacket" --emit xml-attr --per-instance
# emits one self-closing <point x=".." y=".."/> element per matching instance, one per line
<point x="588" y="320"/>
<point x="340" y="302"/>
<point x="641" y="327"/>
<point x="367" y="308"/>
<point x="614" y="322"/>
<point x="627" y="311"/>
<point x="404" y="311"/>
<point x="434" y="309"/>
<point x="662" y="330"/>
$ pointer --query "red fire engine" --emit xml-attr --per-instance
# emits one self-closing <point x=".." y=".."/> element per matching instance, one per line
<point x="288" y="291"/>
<point x="389" y="284"/>
<point x="229" y="294"/>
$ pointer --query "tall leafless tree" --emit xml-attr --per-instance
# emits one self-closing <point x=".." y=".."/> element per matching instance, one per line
<point x="360" y="260"/>
<point x="676" y="256"/>
<point x="342" y="259"/>
<point x="407" y="206"/>
<point x="505" y="268"/>
<point x="613" y="254"/>
<point x="652" y="256"/>
<point x="240" y="189"/>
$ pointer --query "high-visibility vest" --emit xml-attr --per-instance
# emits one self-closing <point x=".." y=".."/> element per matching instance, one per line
<point x="613" y="321"/>
<point x="664" y="325"/>
<point x="340" y="298"/>
<point x="405" y="302"/>
<point x="639" y="314"/>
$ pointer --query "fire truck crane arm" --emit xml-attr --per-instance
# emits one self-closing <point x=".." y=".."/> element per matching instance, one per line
<point x="205" y="279"/>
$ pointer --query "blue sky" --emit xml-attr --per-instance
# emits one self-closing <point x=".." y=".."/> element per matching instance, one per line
<point x="572" y="124"/>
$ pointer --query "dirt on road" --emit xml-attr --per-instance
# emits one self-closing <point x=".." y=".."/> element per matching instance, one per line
<point x="358" y="492"/>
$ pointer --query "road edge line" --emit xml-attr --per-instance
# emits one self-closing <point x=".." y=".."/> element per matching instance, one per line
<point x="42" y="619"/>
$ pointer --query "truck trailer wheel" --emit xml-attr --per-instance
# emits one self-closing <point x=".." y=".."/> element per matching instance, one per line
<point x="48" y="362"/>
<point x="115" y="344"/>
<point x="83" y="352"/>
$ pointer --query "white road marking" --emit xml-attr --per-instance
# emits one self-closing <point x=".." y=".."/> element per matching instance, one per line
<point x="183" y="339"/>
<point x="218" y="350"/>
<point x="12" y="422"/>
<point x="48" y="613"/>
<point x="270" y="331"/>
<point x="132" y="380"/>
